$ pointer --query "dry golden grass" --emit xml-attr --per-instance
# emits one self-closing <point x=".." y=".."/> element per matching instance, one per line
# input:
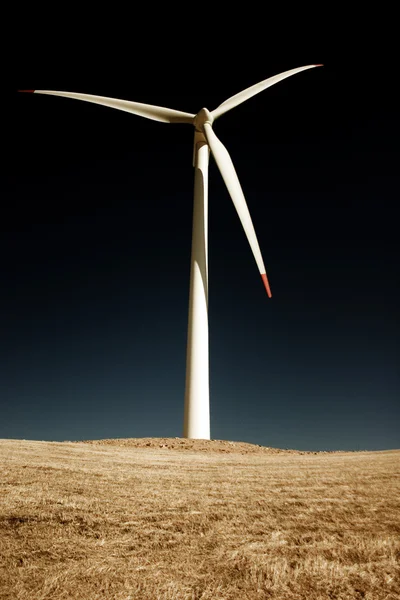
<point x="89" y="522"/>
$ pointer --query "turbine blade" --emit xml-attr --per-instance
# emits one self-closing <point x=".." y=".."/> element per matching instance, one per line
<point x="156" y="113"/>
<point x="225" y="165"/>
<point x="255" y="89"/>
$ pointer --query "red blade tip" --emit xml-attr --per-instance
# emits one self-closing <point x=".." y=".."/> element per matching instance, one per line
<point x="265" y="280"/>
<point x="27" y="91"/>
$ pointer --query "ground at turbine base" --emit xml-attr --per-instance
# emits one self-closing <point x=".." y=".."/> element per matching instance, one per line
<point x="197" y="445"/>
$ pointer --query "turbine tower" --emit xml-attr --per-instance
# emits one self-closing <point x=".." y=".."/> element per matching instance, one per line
<point x="196" y="423"/>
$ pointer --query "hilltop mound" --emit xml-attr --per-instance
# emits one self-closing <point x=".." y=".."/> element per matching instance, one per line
<point x="185" y="444"/>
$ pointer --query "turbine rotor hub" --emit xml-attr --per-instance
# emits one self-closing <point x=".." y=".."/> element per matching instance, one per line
<point x="203" y="116"/>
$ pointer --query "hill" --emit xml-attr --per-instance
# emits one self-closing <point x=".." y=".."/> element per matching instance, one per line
<point x="173" y="519"/>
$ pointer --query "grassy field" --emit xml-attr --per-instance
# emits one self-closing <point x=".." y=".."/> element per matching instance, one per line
<point x="149" y="521"/>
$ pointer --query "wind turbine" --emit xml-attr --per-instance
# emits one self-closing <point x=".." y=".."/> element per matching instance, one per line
<point x="197" y="405"/>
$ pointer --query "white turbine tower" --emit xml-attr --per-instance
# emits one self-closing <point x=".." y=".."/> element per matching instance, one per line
<point x="197" y="405"/>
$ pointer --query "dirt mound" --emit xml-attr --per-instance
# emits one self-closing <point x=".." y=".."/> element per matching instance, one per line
<point x="184" y="444"/>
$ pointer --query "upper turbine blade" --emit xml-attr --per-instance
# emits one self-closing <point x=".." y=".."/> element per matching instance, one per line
<point x="255" y="89"/>
<point x="157" y="113"/>
<point x="230" y="177"/>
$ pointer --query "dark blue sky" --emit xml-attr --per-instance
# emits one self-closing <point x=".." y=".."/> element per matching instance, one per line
<point x="95" y="256"/>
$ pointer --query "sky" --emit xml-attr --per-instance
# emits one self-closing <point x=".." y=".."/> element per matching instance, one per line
<point x="95" y="254"/>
